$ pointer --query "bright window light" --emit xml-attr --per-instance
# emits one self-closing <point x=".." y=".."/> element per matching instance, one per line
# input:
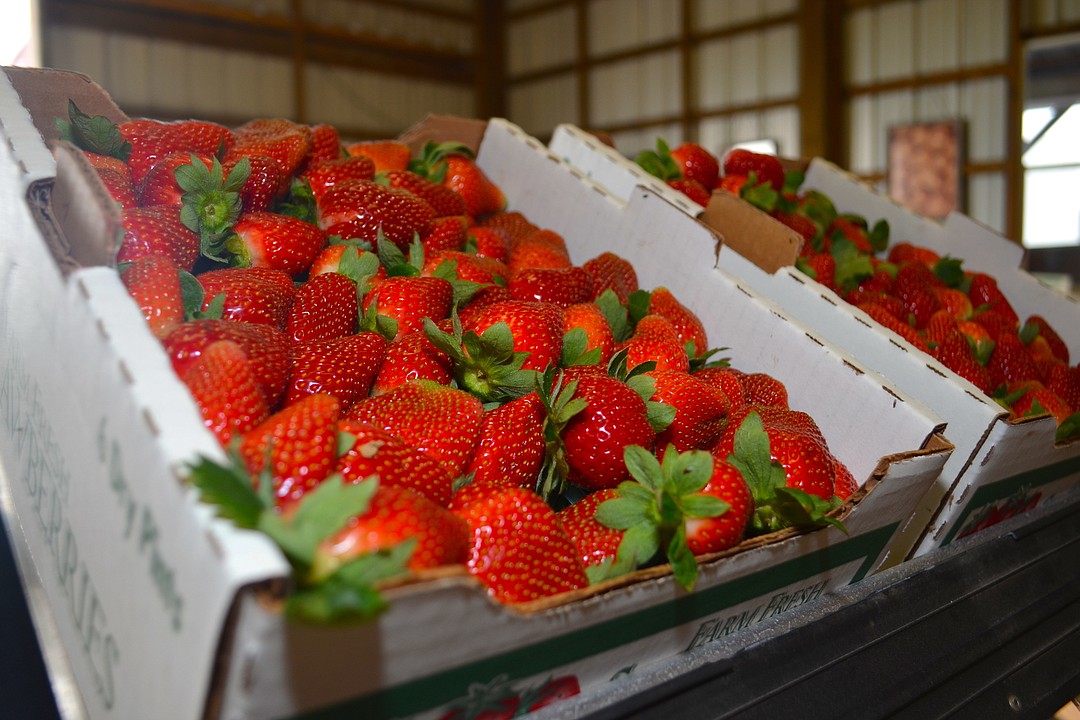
<point x="18" y="44"/>
<point x="1051" y="178"/>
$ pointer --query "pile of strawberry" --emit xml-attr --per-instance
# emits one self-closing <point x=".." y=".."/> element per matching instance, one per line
<point x="960" y="317"/>
<point x="407" y="375"/>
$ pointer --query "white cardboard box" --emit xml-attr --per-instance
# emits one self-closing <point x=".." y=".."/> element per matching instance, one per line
<point x="998" y="465"/>
<point x="165" y="612"/>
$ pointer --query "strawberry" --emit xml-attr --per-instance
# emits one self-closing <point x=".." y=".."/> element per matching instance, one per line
<point x="510" y="449"/>
<point x="368" y="210"/>
<point x="986" y="295"/>
<point x="1010" y="361"/>
<point x="916" y="293"/>
<point x="265" y="184"/>
<point x="446" y="233"/>
<point x="325" y="174"/>
<point x="955" y="301"/>
<point x="559" y="286"/>
<point x="396" y="515"/>
<point x="408" y="300"/>
<point x="441" y="421"/>
<point x="519" y="552"/>
<point x="767" y="168"/>
<point x="696" y="163"/>
<point x="590" y="319"/>
<point x="411" y="356"/>
<point x="595" y="542"/>
<point x="820" y="267"/>
<point x="700" y="410"/>
<point x="395" y="462"/>
<point x="296" y="445"/>
<point x="801" y="224"/>
<point x="153" y="281"/>
<point x="225" y="389"/>
<point x="612" y="272"/>
<point x="119" y="187"/>
<point x="454" y="166"/>
<point x="252" y="294"/>
<point x="1038" y="400"/>
<point x="763" y="389"/>
<point x="287" y="142"/>
<point x="655" y="339"/>
<point x="885" y="317"/>
<point x="537" y="328"/>
<point x="325" y="144"/>
<point x="687" y="324"/>
<point x="955" y="352"/>
<point x="326" y="307"/>
<point x="159" y="186"/>
<point x="512" y="222"/>
<point x="845" y="483"/>
<point x="350" y="258"/>
<point x="902" y="253"/>
<point x="488" y="242"/>
<point x="614" y="416"/>
<point x="691" y="189"/>
<point x="444" y="200"/>
<point x="152" y="140"/>
<point x="475" y="268"/>
<point x="269" y="350"/>
<point x="995" y="324"/>
<point x="727" y="379"/>
<point x="684" y="505"/>
<point x="1064" y="382"/>
<point x="266" y="239"/>
<point x="157" y="231"/>
<point x="941" y="323"/>
<point x="386" y="154"/>
<point x="344" y="367"/>
<point x="1057" y="346"/>
<point x="551" y="692"/>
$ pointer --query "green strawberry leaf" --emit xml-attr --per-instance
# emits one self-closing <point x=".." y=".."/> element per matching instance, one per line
<point x="1069" y="429"/>
<point x="228" y="488"/>
<point x="616" y="314"/>
<point x="753" y="458"/>
<point x="194" y="297"/>
<point x="950" y="271"/>
<point x="879" y="235"/>
<point x="798" y="508"/>
<point x="793" y="180"/>
<point x="852" y="266"/>
<point x="643" y="467"/>
<point x="575" y="349"/>
<point x="761" y="195"/>
<point x="94" y="133"/>
<point x="637" y="306"/>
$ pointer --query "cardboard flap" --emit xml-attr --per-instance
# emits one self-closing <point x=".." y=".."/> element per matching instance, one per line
<point x="755" y="235"/>
<point x="86" y="216"/>
<point x="64" y="85"/>
<point x="444" y="128"/>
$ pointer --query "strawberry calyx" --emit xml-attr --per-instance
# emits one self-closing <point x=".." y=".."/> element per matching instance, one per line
<point x="93" y="133"/>
<point x="211" y="202"/>
<point x="560" y="405"/>
<point x="653" y="508"/>
<point x="299" y="202"/>
<point x="659" y="163"/>
<point x="324" y="592"/>
<point x="485" y="365"/>
<point x="431" y="161"/>
<point x="776" y="505"/>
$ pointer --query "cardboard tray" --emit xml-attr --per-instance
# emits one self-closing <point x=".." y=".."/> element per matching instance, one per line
<point x="999" y="466"/>
<point x="165" y="611"/>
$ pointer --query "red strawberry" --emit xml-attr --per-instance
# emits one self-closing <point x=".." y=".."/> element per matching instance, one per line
<point x="159" y="186"/>
<point x="408" y="300"/>
<point x="287" y="142"/>
<point x="395" y="462"/>
<point x="594" y="438"/>
<point x="820" y="267"/>
<point x="691" y="189"/>
<point x="119" y="187"/>
<point x="728" y="380"/>
<point x="157" y="231"/>
<point x="767" y="168"/>
<point x="686" y="323"/>
<point x="326" y="307"/>
<point x="252" y="294"/>
<point x="265" y="184"/>
<point x="297" y="445"/>
<point x="996" y="324"/>
<point x="612" y="272"/>
<point x="655" y="339"/>
<point x="386" y="154"/>
<point x="1064" y="382"/>
<point x="902" y="253"/>
<point x="446" y="233"/>
<point x="269" y="350"/>
<point x="537" y="328"/>
<point x="325" y="144"/>
<point x="511" y="445"/>
<point x="941" y="324"/>
<point x="696" y="163"/>
<point x="344" y="367"/>
<point x="364" y="209"/>
<point x="884" y="316"/>
<point x="488" y="242"/>
<point x="519" y="552"/>
<point x="595" y="542"/>
<point x="700" y="410"/>
<point x="598" y="333"/>
<point x="558" y="286"/>
<point x="1038" y="399"/>
<point x="845" y="484"/>
<point x="801" y="224"/>
<point x="225" y="389"/>
<point x="541" y="249"/>
<point x="955" y="352"/>
<point x="764" y="390"/>
<point x="1057" y="346"/>
<point x="325" y="174"/>
<point x="151" y="140"/>
<point x="153" y="281"/>
<point x="266" y="239"/>
<point x="411" y="356"/>
<point x="985" y="294"/>
<point x="1010" y="361"/>
<point x="397" y="514"/>
<point x="441" y="421"/>
<point x="443" y="200"/>
<point x="512" y="222"/>
<point x="475" y="268"/>
<point x="482" y="196"/>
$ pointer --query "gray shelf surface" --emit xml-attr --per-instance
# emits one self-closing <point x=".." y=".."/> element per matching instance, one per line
<point x="986" y="628"/>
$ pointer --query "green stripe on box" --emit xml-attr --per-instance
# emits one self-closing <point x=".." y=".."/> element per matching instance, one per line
<point x="995" y="491"/>
<point x="436" y="690"/>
